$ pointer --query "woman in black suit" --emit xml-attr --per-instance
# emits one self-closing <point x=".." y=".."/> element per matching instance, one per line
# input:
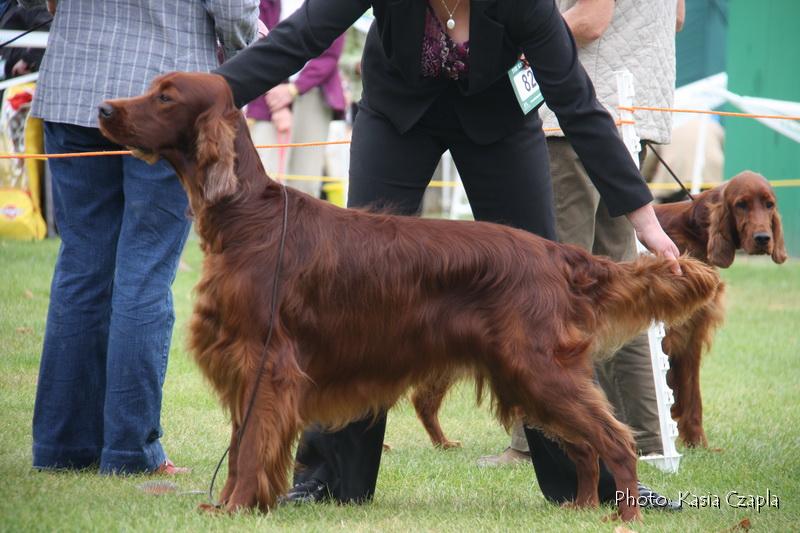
<point x="435" y="76"/>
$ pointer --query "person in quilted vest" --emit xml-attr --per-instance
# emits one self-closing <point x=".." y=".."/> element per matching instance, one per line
<point x="612" y="35"/>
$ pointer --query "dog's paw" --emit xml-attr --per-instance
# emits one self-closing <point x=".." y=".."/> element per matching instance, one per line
<point x="207" y="508"/>
<point x="632" y="514"/>
<point x="697" y="440"/>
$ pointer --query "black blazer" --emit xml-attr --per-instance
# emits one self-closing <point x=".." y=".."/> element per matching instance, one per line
<point x="500" y="30"/>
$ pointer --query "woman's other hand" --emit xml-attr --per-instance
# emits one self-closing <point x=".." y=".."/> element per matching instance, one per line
<point x="652" y="236"/>
<point x="282" y="120"/>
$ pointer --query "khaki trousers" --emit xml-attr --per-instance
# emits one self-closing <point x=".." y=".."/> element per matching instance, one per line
<point x="582" y="219"/>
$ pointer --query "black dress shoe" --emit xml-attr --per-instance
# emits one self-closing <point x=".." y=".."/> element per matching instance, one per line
<point x="650" y="499"/>
<point x="310" y="491"/>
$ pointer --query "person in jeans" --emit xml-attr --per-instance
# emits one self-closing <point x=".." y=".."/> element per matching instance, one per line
<point x="123" y="225"/>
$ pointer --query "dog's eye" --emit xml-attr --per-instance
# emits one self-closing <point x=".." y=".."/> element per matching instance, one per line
<point x="164" y="98"/>
<point x="741" y="204"/>
<point x="770" y="204"/>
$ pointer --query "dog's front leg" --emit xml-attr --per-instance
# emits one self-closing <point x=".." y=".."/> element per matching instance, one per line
<point x="689" y="399"/>
<point x="264" y="448"/>
<point x="684" y="344"/>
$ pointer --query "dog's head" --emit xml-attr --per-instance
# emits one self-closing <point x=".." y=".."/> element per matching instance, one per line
<point x="745" y="216"/>
<point x="185" y="117"/>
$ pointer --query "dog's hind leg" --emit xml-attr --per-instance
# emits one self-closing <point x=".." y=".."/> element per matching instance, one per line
<point x="588" y="417"/>
<point x="581" y="416"/>
<point x="685" y="345"/>
<point x="264" y="447"/>
<point x="588" y="467"/>
<point x="427" y="399"/>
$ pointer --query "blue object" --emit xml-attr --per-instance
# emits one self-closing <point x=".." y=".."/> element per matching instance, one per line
<point x="123" y="226"/>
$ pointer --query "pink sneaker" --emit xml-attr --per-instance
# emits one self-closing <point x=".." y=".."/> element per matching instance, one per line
<point x="168" y="468"/>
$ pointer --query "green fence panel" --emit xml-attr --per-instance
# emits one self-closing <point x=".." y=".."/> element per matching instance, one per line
<point x="763" y="59"/>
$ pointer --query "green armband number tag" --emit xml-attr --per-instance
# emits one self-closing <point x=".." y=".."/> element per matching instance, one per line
<point x="525" y="87"/>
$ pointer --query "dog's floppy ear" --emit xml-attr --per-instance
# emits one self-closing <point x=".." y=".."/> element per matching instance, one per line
<point x="721" y="241"/>
<point x="216" y="156"/>
<point x="778" y="246"/>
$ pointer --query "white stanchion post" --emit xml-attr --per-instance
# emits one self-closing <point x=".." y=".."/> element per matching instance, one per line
<point x="448" y="193"/>
<point x="670" y="460"/>
<point x="459" y="204"/>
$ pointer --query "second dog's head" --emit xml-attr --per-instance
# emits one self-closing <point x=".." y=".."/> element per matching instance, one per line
<point x="185" y="117"/>
<point x="746" y="216"/>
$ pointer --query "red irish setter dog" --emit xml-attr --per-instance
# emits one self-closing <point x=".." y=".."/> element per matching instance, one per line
<point x="371" y="304"/>
<point x="741" y="214"/>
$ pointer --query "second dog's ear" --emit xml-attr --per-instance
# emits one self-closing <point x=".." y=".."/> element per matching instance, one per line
<point x="721" y="241"/>
<point x="216" y="156"/>
<point x="778" y="247"/>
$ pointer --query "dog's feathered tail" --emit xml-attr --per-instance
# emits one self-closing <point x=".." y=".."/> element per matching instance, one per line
<point x="626" y="297"/>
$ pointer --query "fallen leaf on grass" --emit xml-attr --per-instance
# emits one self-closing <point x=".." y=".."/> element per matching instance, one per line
<point x="743" y="525"/>
<point x="28" y="294"/>
<point x="24" y="330"/>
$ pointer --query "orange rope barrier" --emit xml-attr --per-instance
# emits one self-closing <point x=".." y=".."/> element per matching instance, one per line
<point x="258" y="146"/>
<point x="301" y="145"/>
<point x="127" y="152"/>
<point x="705" y="112"/>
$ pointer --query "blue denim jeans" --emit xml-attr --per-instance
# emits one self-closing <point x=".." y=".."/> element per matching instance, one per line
<point x="123" y="226"/>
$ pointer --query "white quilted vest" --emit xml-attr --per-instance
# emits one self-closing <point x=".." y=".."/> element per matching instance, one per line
<point x="640" y="38"/>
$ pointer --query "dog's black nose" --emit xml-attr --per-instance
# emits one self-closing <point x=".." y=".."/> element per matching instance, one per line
<point x="762" y="238"/>
<point x="105" y="110"/>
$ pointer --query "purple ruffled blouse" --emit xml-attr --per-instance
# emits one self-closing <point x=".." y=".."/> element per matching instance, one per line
<point x="441" y="56"/>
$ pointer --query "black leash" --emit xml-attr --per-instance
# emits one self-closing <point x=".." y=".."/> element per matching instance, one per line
<point x="26" y="32"/>
<point x="675" y="177"/>
<point x="273" y="309"/>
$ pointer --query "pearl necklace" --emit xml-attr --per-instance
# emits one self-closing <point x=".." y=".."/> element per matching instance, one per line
<point x="451" y="22"/>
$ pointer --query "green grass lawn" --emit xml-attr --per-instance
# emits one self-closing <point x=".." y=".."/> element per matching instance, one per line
<point x="751" y="386"/>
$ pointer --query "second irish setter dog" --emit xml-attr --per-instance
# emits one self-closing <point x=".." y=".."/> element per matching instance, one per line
<point x="741" y="214"/>
<point x="371" y="304"/>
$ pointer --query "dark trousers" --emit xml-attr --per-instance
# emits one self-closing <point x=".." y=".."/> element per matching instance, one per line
<point x="506" y="182"/>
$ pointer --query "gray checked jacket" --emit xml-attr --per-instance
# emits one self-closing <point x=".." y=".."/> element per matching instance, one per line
<point x="100" y="49"/>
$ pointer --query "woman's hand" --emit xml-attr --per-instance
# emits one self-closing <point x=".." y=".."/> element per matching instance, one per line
<point x="281" y="96"/>
<point x="262" y="30"/>
<point x="20" y="68"/>
<point x="650" y="234"/>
